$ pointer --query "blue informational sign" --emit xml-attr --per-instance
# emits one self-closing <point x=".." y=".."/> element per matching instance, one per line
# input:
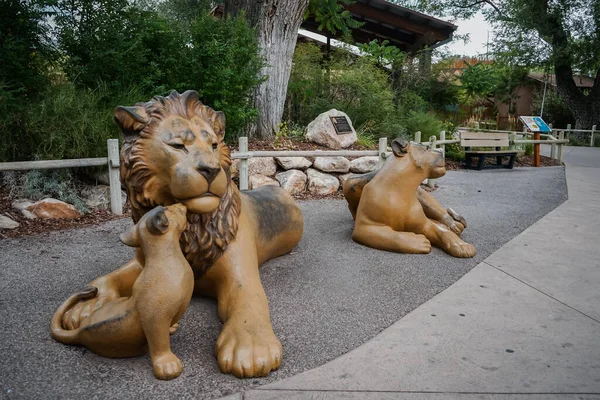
<point x="535" y="124"/>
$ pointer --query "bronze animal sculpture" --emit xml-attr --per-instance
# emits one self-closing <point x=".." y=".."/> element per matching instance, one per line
<point x="129" y="326"/>
<point x="393" y="213"/>
<point x="173" y="152"/>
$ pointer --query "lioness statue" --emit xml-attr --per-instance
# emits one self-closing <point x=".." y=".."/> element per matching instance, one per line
<point x="173" y="152"/>
<point x="393" y="213"/>
<point x="130" y="326"/>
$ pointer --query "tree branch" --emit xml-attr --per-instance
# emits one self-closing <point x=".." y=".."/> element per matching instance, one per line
<point x="488" y="2"/>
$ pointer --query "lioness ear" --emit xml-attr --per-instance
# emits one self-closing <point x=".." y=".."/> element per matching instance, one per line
<point x="130" y="237"/>
<point x="400" y="147"/>
<point x="130" y="119"/>
<point x="217" y="122"/>
<point x="158" y="223"/>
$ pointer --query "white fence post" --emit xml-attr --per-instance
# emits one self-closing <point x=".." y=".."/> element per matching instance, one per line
<point x="116" y="201"/>
<point x="432" y="146"/>
<point x="243" y="144"/>
<point x="561" y="136"/>
<point x="592" y="138"/>
<point x="418" y="137"/>
<point x="443" y="145"/>
<point x="382" y="151"/>
<point x="568" y="132"/>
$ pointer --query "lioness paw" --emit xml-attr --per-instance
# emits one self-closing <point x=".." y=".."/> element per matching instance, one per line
<point x="245" y="354"/>
<point x="167" y="366"/>
<point x="421" y="245"/>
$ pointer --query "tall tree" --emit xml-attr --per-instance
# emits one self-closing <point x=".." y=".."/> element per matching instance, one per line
<point x="561" y="34"/>
<point x="277" y="23"/>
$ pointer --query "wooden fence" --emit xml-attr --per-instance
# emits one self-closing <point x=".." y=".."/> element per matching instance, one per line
<point x="112" y="160"/>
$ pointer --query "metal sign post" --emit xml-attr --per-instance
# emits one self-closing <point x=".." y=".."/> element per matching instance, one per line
<point x="535" y="125"/>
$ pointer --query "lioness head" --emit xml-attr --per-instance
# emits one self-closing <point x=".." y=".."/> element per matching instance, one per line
<point x="173" y="152"/>
<point x="431" y="161"/>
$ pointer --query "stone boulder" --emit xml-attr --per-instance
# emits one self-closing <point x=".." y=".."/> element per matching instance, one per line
<point x="321" y="131"/>
<point x="288" y="163"/>
<point x="258" y="180"/>
<point x="262" y="165"/>
<point x="22" y="205"/>
<point x="343" y="178"/>
<point x="52" y="208"/>
<point x="7" y="223"/>
<point x="320" y="183"/>
<point x="332" y="164"/>
<point x="293" y="181"/>
<point x="364" y="164"/>
<point x="98" y="197"/>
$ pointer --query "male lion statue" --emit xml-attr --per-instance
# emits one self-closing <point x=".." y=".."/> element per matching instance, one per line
<point x="173" y="152"/>
<point x="393" y="213"/>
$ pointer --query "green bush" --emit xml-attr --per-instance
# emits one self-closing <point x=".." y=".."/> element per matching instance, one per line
<point x="425" y="122"/>
<point x="38" y="185"/>
<point x="68" y="122"/>
<point x="353" y="85"/>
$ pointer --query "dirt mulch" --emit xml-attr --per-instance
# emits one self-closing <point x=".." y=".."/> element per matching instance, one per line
<point x="39" y="225"/>
<point x="292" y="144"/>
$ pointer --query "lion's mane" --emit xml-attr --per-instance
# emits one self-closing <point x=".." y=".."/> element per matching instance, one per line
<point x="207" y="235"/>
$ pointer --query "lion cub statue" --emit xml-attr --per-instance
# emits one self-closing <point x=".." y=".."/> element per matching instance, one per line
<point x="392" y="213"/>
<point x="174" y="152"/>
<point x="129" y="326"/>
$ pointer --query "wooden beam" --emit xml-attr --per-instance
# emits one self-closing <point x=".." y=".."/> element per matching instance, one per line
<point x="363" y="11"/>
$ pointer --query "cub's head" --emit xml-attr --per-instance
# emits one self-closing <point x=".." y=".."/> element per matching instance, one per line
<point x="431" y="161"/>
<point x="173" y="152"/>
<point x="155" y="223"/>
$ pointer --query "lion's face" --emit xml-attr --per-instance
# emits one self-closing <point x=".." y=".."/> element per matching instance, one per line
<point x="188" y="157"/>
<point x="432" y="161"/>
<point x="173" y="152"/>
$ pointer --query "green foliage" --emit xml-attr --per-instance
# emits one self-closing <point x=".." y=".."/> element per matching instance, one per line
<point x="556" y="111"/>
<point x="382" y="53"/>
<point x="331" y="16"/>
<point x="37" y="185"/>
<point x="562" y="34"/>
<point x="479" y="80"/>
<point x="223" y="64"/>
<point x="425" y="122"/>
<point x="355" y="86"/>
<point x="23" y="51"/>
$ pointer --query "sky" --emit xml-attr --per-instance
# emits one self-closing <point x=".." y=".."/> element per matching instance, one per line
<point x="478" y="30"/>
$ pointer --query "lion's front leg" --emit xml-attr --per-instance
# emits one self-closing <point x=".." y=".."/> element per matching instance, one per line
<point x="435" y="211"/>
<point x="247" y="346"/>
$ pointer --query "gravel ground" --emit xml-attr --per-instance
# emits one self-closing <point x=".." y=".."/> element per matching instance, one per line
<point x="327" y="297"/>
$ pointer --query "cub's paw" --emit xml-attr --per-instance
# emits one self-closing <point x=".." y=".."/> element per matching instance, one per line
<point x="173" y="328"/>
<point x="455" y="221"/>
<point x="248" y="351"/>
<point x="167" y="366"/>
<point x="419" y="244"/>
<point x="462" y="250"/>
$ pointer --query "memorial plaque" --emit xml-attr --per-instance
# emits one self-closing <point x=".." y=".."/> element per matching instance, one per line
<point x="341" y="125"/>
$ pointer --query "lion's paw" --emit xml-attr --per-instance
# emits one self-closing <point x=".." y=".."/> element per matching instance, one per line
<point x="167" y="366"/>
<point x="248" y="352"/>
<point x="462" y="250"/>
<point x="173" y="328"/>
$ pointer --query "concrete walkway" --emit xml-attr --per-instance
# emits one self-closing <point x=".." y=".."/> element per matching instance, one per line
<point x="523" y="324"/>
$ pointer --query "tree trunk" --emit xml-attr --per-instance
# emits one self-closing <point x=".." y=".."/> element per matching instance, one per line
<point x="276" y="23"/>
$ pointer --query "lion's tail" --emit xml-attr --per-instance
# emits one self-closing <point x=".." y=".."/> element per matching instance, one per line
<point x="58" y="332"/>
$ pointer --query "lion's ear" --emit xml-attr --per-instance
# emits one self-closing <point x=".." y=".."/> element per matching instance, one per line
<point x="400" y="147"/>
<point x="130" y="237"/>
<point x="131" y="120"/>
<point x="217" y="122"/>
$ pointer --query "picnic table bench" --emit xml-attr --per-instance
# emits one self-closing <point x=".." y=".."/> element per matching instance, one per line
<point x="497" y="140"/>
